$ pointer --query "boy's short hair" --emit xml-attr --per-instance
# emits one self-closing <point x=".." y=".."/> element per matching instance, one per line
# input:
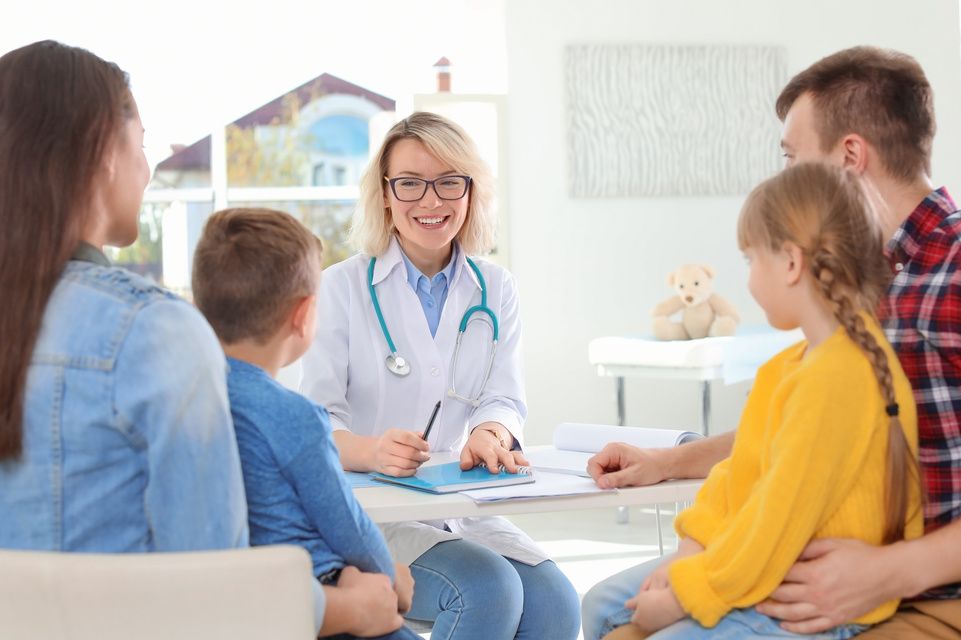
<point x="879" y="94"/>
<point x="250" y="267"/>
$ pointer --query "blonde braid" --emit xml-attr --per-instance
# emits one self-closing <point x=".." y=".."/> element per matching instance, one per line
<point x="901" y="463"/>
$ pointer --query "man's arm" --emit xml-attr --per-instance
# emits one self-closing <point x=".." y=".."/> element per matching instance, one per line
<point x="836" y="581"/>
<point x="621" y="465"/>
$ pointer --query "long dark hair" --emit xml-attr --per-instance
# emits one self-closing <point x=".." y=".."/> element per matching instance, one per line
<point x="60" y="109"/>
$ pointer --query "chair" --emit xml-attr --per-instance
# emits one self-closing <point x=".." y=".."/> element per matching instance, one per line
<point x="242" y="594"/>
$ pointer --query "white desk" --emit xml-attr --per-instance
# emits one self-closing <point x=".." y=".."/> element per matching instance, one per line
<point x="394" y="504"/>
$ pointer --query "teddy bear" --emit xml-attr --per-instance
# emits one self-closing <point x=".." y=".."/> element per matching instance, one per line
<point x="703" y="312"/>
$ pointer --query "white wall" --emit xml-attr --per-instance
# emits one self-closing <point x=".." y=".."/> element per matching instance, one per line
<point x="595" y="267"/>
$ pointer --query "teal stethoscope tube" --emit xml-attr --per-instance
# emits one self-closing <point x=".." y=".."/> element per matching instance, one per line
<point x="399" y="365"/>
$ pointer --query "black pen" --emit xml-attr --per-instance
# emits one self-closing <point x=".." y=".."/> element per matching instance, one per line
<point x="430" y="423"/>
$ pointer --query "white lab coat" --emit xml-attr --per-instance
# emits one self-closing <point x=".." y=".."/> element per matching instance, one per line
<point x="344" y="371"/>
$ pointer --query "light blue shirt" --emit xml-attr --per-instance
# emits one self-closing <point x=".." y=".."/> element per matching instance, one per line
<point x="432" y="292"/>
<point x="128" y="441"/>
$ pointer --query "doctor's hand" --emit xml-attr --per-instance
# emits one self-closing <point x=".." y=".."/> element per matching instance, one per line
<point x="486" y="446"/>
<point x="621" y="465"/>
<point x="399" y="452"/>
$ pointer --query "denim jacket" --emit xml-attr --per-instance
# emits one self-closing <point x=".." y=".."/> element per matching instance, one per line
<point x="128" y="440"/>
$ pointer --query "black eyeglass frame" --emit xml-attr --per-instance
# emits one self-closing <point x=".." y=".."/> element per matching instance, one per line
<point x="428" y="184"/>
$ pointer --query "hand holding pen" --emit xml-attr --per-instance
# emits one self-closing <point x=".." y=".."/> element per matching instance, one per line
<point x="400" y="452"/>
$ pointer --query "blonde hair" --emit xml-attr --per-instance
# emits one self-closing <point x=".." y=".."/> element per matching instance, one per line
<point x="825" y="212"/>
<point x="372" y="226"/>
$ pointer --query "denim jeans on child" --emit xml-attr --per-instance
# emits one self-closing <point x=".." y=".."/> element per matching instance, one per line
<point x="745" y="623"/>
<point x="603" y="611"/>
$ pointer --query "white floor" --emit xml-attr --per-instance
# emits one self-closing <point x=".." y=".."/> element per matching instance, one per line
<point x="590" y="545"/>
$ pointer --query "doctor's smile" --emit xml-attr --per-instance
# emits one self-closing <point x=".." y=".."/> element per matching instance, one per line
<point x="433" y="222"/>
<point x="420" y="316"/>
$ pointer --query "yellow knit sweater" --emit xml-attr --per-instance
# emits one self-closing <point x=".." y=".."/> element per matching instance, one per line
<point x="808" y="462"/>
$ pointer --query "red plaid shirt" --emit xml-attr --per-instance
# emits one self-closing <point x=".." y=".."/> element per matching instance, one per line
<point x="922" y="319"/>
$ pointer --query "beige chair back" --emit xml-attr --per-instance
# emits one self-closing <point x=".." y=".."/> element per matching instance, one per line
<point x="244" y="594"/>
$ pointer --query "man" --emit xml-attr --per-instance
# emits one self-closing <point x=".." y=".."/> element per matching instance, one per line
<point x="870" y="111"/>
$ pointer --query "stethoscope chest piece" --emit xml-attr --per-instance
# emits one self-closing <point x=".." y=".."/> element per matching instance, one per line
<point x="397" y="365"/>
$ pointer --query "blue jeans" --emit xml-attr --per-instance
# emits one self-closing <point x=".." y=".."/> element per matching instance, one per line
<point x="470" y="592"/>
<point x="747" y="623"/>
<point x="401" y="634"/>
<point x="603" y="606"/>
<point x="603" y="611"/>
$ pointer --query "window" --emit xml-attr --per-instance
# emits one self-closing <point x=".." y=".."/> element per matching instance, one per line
<point x="302" y="153"/>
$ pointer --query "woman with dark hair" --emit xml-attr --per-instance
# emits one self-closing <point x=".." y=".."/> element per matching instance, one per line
<point x="115" y="429"/>
<point x="113" y="406"/>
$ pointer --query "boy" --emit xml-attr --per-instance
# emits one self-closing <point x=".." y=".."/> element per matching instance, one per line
<point x="255" y="278"/>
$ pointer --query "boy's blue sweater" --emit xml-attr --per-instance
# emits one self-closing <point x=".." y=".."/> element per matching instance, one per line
<point x="296" y="489"/>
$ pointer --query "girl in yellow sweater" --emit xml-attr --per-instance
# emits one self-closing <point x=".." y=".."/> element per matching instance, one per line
<point x="827" y="443"/>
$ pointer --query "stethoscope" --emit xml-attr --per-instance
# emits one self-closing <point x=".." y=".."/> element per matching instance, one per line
<point x="399" y="366"/>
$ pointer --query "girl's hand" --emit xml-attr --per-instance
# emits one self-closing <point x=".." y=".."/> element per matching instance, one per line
<point x="399" y="452"/>
<point x="657" y="579"/>
<point x="655" y="609"/>
<point x="489" y="445"/>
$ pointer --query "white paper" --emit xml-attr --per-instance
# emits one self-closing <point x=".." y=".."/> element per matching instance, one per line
<point x="591" y="438"/>
<point x="545" y="485"/>
<point x="550" y="459"/>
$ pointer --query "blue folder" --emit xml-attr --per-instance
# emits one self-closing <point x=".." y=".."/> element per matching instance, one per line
<point x="449" y="478"/>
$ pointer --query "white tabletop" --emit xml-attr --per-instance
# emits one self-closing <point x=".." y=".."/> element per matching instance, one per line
<point x="394" y="504"/>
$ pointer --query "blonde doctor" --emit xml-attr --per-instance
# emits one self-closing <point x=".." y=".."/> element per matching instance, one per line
<point x="389" y="322"/>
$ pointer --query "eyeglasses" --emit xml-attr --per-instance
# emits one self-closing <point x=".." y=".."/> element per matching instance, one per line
<point x="407" y="189"/>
